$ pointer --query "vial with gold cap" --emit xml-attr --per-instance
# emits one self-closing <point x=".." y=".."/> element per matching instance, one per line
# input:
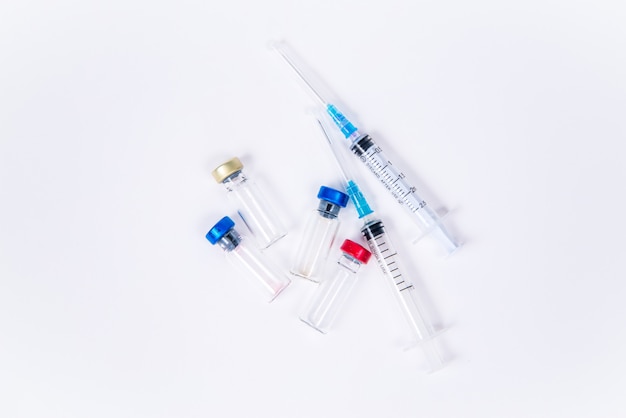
<point x="251" y="203"/>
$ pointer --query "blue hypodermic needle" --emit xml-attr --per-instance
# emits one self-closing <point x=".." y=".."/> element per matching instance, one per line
<point x="359" y="201"/>
<point x="375" y="233"/>
<point x="363" y="146"/>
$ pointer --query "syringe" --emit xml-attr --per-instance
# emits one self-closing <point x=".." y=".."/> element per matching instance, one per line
<point x="402" y="287"/>
<point x="395" y="182"/>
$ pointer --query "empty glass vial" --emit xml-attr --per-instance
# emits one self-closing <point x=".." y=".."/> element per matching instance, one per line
<point x="319" y="233"/>
<point x="250" y="202"/>
<point x="334" y="290"/>
<point x="248" y="259"/>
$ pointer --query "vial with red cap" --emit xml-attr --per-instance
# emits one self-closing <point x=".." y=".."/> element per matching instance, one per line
<point x="333" y="291"/>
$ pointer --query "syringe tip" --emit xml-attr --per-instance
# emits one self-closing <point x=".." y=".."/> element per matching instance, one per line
<point x="346" y="127"/>
<point x="361" y="205"/>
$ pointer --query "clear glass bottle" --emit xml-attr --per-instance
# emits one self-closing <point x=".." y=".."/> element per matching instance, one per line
<point x="319" y="233"/>
<point x="250" y="202"/>
<point x="334" y="291"/>
<point x="248" y="259"/>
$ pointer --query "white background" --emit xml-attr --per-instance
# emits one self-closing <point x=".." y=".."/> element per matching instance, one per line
<point x="113" y="114"/>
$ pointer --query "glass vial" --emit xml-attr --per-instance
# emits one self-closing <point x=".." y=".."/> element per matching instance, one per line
<point x="319" y="233"/>
<point x="334" y="291"/>
<point x="251" y="204"/>
<point x="248" y="259"/>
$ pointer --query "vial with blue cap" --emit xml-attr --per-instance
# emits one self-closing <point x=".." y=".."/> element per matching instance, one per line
<point x="332" y="293"/>
<point x="319" y="233"/>
<point x="250" y="262"/>
<point x="251" y="203"/>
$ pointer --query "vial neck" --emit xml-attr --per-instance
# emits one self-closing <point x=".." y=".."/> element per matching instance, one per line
<point x="229" y="241"/>
<point x="328" y="210"/>
<point x="350" y="263"/>
<point x="234" y="180"/>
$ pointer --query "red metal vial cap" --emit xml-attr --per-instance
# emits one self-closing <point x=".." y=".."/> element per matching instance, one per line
<point x="355" y="250"/>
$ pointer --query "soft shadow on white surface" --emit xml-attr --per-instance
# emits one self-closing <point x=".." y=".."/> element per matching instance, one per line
<point x="112" y="116"/>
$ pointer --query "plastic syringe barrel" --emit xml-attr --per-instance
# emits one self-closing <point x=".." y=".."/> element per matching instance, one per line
<point x="403" y="289"/>
<point x="364" y="147"/>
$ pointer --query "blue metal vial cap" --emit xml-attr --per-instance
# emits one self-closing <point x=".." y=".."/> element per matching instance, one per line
<point x="220" y="229"/>
<point x="333" y="196"/>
